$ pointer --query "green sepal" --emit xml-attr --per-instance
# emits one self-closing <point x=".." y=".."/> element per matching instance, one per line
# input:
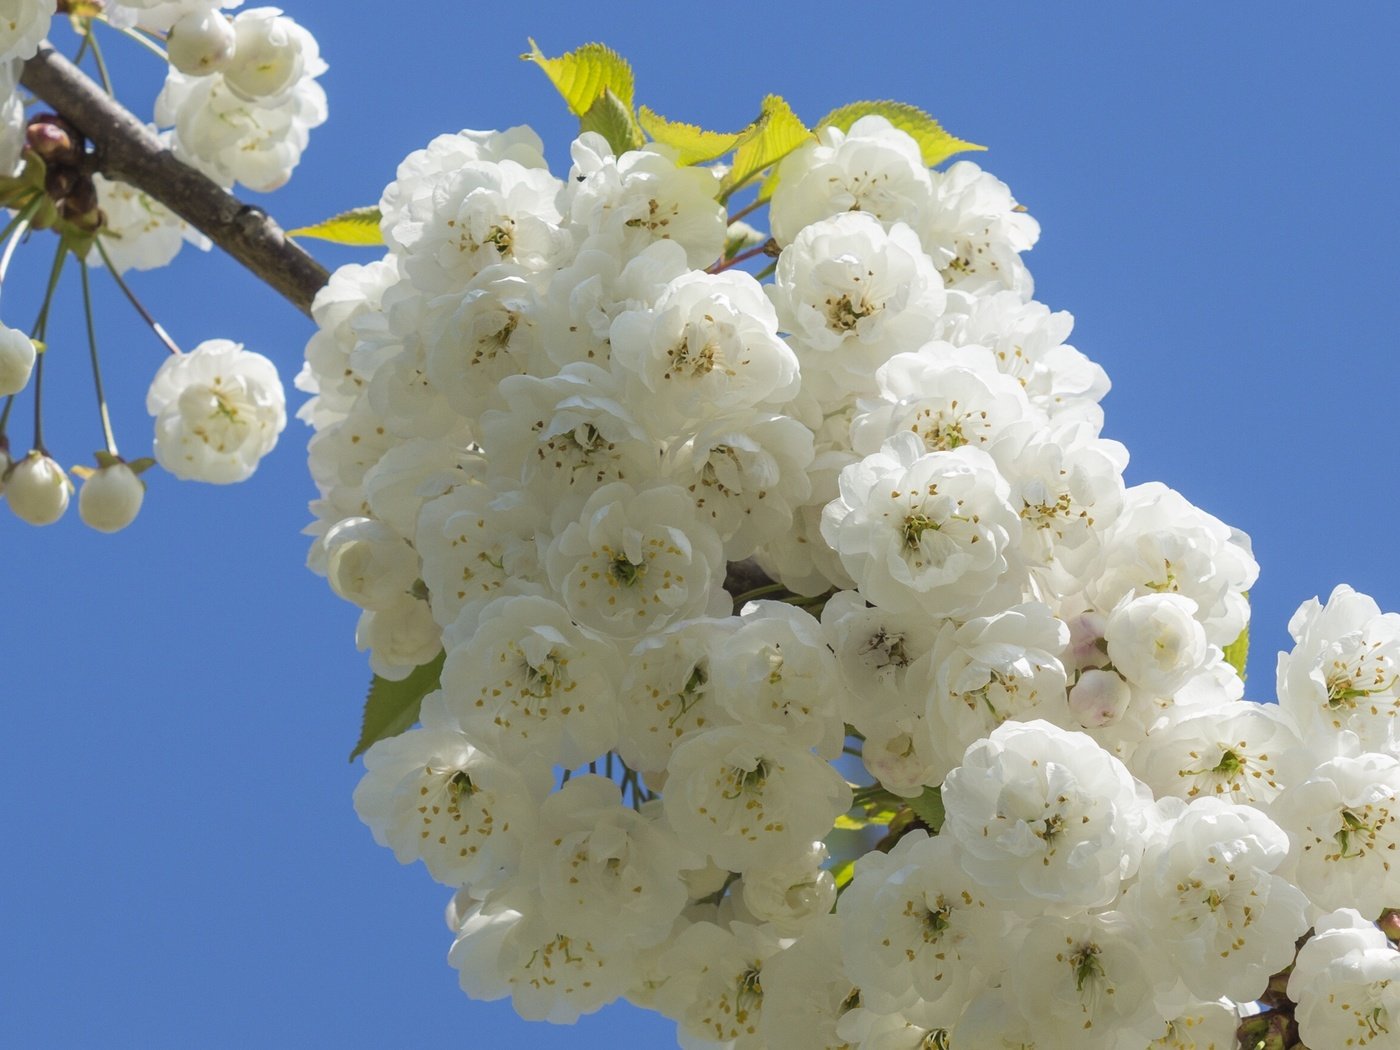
<point x="611" y="119"/>
<point x="106" y="459"/>
<point x="140" y="466"/>
<point x="770" y="138"/>
<point x="1237" y="652"/>
<point x="17" y="191"/>
<point x="358" y="227"/>
<point x="392" y="707"/>
<point x="935" y="144"/>
<point x="928" y="807"/>
<point x="692" y="143"/>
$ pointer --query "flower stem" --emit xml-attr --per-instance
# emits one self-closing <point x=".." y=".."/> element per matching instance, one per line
<point x="160" y="332"/>
<point x="735" y="260"/>
<point x="747" y="209"/>
<point x="141" y="38"/>
<point x="39" y="332"/>
<point x="96" y="368"/>
<point x="759" y="592"/>
<point x="17" y="226"/>
<point x="101" y="62"/>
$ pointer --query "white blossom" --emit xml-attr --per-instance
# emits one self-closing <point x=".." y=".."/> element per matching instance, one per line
<point x="218" y="411"/>
<point x="1046" y="817"/>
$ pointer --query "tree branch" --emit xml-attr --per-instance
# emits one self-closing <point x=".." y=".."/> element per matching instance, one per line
<point x="125" y="149"/>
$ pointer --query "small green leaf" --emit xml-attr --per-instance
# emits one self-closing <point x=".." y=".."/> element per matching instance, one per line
<point x="582" y="75"/>
<point x="928" y="807"/>
<point x="843" y="873"/>
<point x="392" y="707"/>
<point x="611" y="119"/>
<point x="358" y="227"/>
<point x="1237" y="652"/>
<point x="770" y="138"/>
<point x="935" y="144"/>
<point x="140" y="466"/>
<point x="693" y="144"/>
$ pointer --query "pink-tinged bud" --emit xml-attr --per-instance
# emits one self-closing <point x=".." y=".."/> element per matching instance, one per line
<point x="1390" y="924"/>
<point x="53" y="139"/>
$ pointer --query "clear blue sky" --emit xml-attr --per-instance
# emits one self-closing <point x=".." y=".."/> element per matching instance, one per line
<point x="181" y="865"/>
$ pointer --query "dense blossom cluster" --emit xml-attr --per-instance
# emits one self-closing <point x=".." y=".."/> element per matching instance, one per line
<point x="550" y="417"/>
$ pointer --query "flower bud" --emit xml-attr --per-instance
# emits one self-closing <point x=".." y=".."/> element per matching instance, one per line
<point x="200" y="43"/>
<point x="268" y="56"/>
<point x="52" y="139"/>
<point x="110" y="498"/>
<point x="38" y="490"/>
<point x="369" y="563"/>
<point x="1390" y="924"/>
<point x="1099" y="698"/>
<point x="16" y="360"/>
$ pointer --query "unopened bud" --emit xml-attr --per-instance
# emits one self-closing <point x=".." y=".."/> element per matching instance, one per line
<point x="17" y="355"/>
<point x="53" y="139"/>
<point x="200" y="43"/>
<point x="1390" y="924"/>
<point x="80" y="205"/>
<point x="1099" y="698"/>
<point x="38" y="490"/>
<point x="110" y="499"/>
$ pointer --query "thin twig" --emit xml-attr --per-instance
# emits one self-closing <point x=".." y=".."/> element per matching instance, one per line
<point x="96" y="368"/>
<point x="156" y="327"/>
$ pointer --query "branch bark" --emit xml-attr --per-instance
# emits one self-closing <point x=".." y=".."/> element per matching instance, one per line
<point x="124" y="148"/>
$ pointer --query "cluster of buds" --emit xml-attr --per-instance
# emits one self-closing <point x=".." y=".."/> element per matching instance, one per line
<point x="67" y="180"/>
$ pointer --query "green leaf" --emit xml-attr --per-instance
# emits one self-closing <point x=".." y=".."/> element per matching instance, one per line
<point x="392" y="707"/>
<point x="843" y="873"/>
<point x="582" y="75"/>
<point x="358" y="227"/>
<point x="1237" y="652"/>
<point x="859" y="818"/>
<point x="614" y="121"/>
<point x="770" y="138"/>
<point x="928" y="807"/>
<point x="935" y="144"/>
<point x="693" y="144"/>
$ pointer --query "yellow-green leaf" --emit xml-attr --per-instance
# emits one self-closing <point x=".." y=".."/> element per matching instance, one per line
<point x="614" y="121"/>
<point x="1237" y="652"/>
<point x="843" y="873"/>
<point x="935" y="144"/>
<point x="928" y="807"/>
<point x="692" y="143"/>
<point x="775" y="134"/>
<point x="582" y="75"/>
<point x="392" y="707"/>
<point x="358" y="227"/>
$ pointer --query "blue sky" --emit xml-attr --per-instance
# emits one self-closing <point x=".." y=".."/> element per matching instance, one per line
<point x="182" y="866"/>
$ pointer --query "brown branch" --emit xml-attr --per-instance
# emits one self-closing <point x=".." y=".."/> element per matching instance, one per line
<point x="125" y="149"/>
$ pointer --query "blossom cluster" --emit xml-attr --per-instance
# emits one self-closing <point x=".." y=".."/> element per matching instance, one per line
<point x="552" y="418"/>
